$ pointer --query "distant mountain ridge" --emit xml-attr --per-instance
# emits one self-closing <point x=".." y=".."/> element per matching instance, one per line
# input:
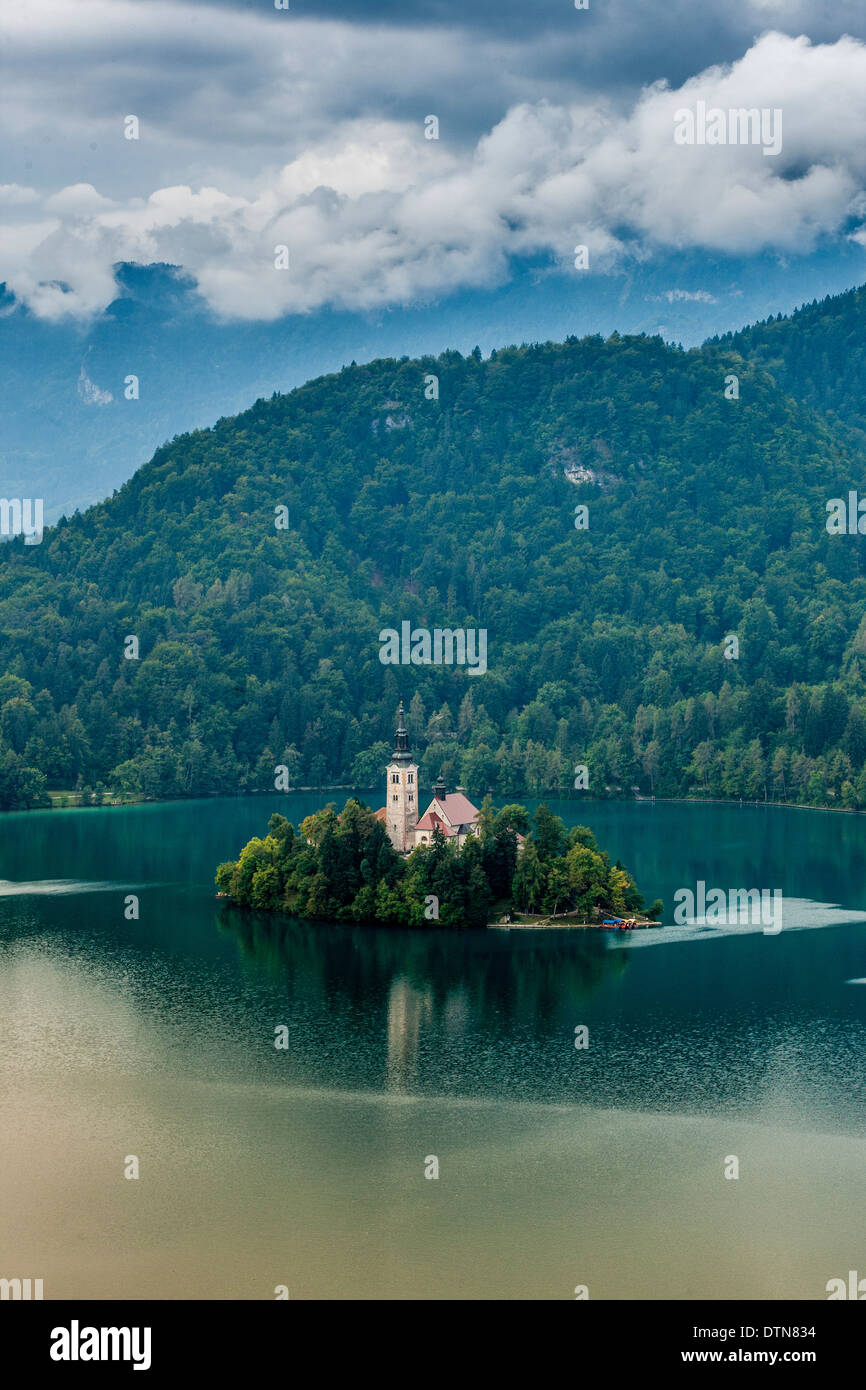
<point x="70" y="436"/>
<point x="817" y="354"/>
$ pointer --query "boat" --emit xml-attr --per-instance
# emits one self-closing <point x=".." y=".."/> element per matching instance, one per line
<point x="627" y="924"/>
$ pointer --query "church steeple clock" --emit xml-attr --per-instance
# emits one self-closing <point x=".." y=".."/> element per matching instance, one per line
<point x="401" y="799"/>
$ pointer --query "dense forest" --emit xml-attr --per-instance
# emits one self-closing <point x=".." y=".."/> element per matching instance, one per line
<point x="817" y="354"/>
<point x="703" y="634"/>
<point x="344" y="868"/>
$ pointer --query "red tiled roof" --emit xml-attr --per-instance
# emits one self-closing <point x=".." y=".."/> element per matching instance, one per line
<point x="459" y="809"/>
<point x="381" y="814"/>
<point x="430" y="821"/>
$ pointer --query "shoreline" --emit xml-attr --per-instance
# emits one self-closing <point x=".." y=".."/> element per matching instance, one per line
<point x="573" y="926"/>
<point x="339" y="787"/>
<point x="755" y="805"/>
<point x="543" y="924"/>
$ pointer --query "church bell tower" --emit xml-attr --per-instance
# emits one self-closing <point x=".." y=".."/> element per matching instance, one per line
<point x="401" y="798"/>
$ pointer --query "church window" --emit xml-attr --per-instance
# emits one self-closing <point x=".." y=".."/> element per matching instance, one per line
<point x="411" y="778"/>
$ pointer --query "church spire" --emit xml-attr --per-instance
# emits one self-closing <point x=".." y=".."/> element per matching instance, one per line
<point x="401" y="739"/>
<point x="401" y="780"/>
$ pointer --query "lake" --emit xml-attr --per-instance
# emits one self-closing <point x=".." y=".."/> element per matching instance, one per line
<point x="305" y="1166"/>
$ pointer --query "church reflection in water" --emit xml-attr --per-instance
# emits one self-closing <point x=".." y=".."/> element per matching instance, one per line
<point x="414" y="1020"/>
<point x="430" y="1005"/>
<point x="410" y="1010"/>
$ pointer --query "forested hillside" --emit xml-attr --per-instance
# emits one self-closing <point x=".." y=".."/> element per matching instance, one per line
<point x="818" y="355"/>
<point x="259" y="646"/>
<point x="70" y="435"/>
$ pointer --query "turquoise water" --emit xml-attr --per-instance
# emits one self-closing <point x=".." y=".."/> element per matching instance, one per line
<point x="305" y="1167"/>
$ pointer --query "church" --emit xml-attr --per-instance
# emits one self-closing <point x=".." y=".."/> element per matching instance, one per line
<point x="454" y="815"/>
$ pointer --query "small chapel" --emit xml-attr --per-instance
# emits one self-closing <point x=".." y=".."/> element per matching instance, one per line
<point x="453" y="814"/>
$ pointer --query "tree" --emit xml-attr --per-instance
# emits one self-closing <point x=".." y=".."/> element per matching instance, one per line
<point x="343" y="867"/>
<point x="486" y="819"/>
<point x="781" y="760"/>
<point x="368" y="769"/>
<point x="256" y="646"/>
<point x="266" y="890"/>
<point x="416" y="718"/>
<point x="755" y="771"/>
<point x="548" y="833"/>
<point x="702" y="761"/>
<point x="651" y="762"/>
<point x="529" y="882"/>
<point x="478" y="898"/>
<point x="854" y="740"/>
<point x="557" y="888"/>
<point x="588" y="879"/>
<point x="224" y="876"/>
<point x="126" y="778"/>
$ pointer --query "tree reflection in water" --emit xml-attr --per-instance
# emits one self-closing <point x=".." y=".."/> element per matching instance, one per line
<point x="429" y="983"/>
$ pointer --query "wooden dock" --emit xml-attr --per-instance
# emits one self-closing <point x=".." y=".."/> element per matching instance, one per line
<point x="564" y="924"/>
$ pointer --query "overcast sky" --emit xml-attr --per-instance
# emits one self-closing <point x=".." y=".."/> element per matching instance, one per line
<point x="305" y="127"/>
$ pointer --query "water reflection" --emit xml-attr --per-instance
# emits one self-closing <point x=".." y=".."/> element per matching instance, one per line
<point x="429" y="978"/>
<point x="305" y="1166"/>
<point x="409" y="1010"/>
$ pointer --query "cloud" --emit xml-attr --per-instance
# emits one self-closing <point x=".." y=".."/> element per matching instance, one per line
<point x="14" y="195"/>
<point x="224" y="87"/>
<point x="77" y="200"/>
<point x="689" y="296"/>
<point x="374" y="215"/>
<point x="90" y="393"/>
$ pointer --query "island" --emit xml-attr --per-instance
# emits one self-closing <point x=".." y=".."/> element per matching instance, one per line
<point x="455" y="866"/>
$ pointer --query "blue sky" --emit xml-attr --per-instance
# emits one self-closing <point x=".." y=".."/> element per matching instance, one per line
<point x="306" y="128"/>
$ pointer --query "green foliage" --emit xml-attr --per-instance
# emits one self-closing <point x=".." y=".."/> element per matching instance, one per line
<point x="817" y="354"/>
<point x="21" y="787"/>
<point x="260" y="648"/>
<point x="344" y="868"/>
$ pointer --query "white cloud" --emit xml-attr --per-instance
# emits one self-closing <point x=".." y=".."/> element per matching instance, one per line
<point x="76" y="200"/>
<point x="689" y="296"/>
<point x="14" y="195"/>
<point x="90" y="392"/>
<point x="374" y="214"/>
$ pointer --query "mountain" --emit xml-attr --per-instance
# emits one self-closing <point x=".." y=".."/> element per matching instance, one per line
<point x="610" y="647"/>
<point x="71" y="436"/>
<point x="818" y="354"/>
